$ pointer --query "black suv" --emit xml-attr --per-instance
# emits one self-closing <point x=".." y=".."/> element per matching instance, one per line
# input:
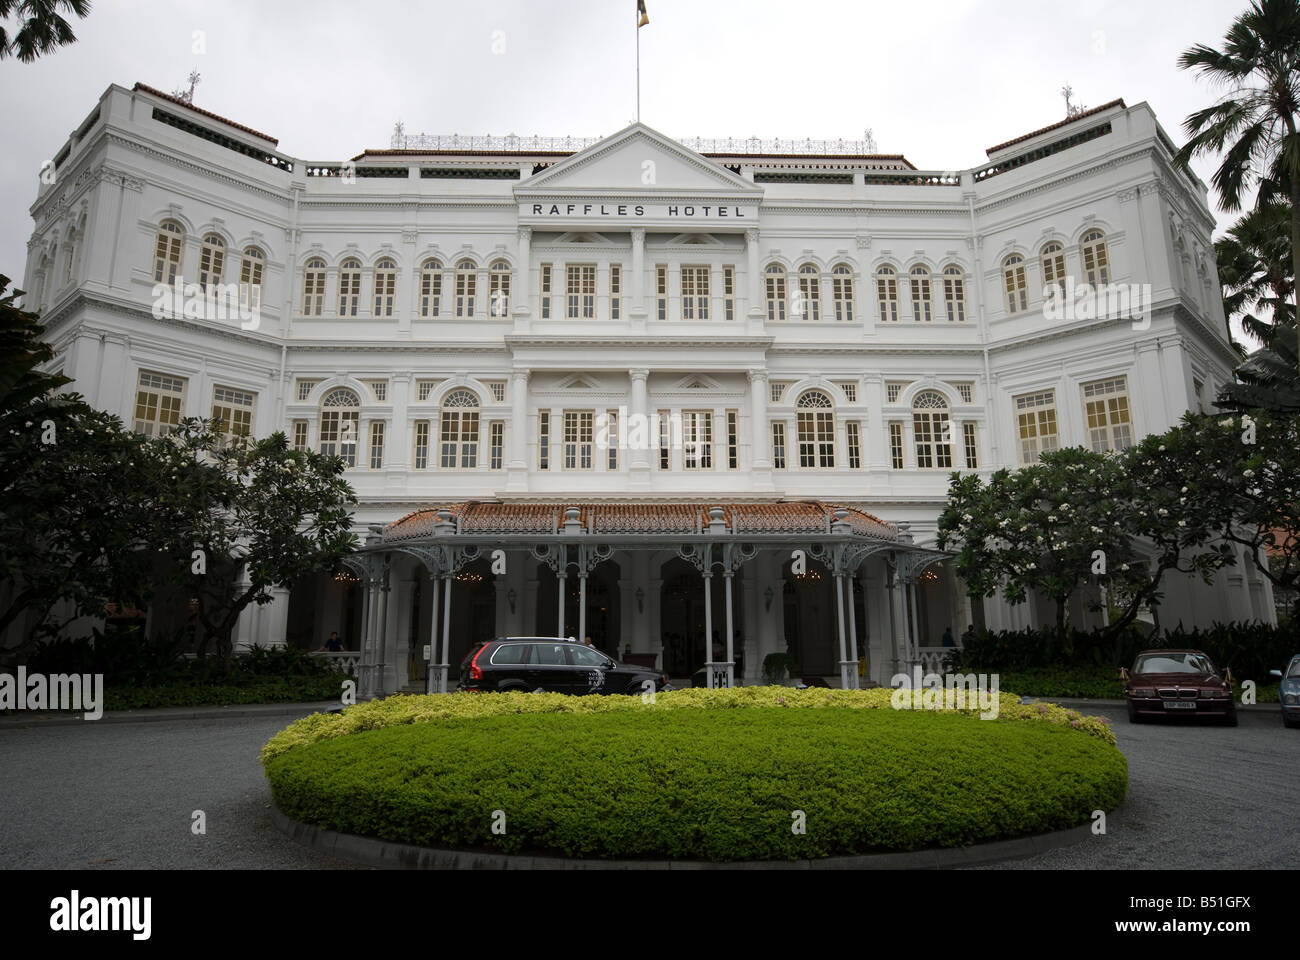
<point x="552" y="664"/>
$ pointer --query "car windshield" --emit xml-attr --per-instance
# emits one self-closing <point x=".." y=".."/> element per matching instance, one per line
<point x="584" y="656"/>
<point x="1173" y="663"/>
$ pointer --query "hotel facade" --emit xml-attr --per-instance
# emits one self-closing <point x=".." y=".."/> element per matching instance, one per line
<point x="697" y="400"/>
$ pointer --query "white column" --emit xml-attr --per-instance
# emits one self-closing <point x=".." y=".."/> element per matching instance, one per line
<point x="755" y="309"/>
<point x="716" y="309"/>
<point x="431" y="678"/>
<point x="639" y="468"/>
<point x="731" y="652"/>
<point x="521" y="291"/>
<point x="637" y="310"/>
<point x="760" y="441"/>
<point x="517" y="478"/>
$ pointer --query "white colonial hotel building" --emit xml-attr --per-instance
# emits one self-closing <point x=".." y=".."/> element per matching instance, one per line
<point x="799" y="343"/>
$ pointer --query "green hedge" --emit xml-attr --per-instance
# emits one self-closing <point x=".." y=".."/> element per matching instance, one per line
<point x="282" y="690"/>
<point x="717" y="784"/>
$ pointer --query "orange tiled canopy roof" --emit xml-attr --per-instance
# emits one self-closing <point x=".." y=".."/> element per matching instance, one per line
<point x="671" y="517"/>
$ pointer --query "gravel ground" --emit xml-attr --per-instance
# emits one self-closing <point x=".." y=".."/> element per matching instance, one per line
<point x="120" y="795"/>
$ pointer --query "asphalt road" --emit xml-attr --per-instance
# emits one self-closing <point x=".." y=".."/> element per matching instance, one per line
<point x="105" y="796"/>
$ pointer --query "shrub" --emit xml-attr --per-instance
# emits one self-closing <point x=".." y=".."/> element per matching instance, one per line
<point x="697" y="781"/>
<point x="271" y="690"/>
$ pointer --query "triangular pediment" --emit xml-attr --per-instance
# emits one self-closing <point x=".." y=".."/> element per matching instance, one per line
<point x="697" y="381"/>
<point x="633" y="160"/>
<point x="578" y="382"/>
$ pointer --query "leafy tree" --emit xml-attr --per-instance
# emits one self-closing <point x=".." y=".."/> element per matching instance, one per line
<point x="1253" y="125"/>
<point x="259" y="507"/>
<point x="21" y="352"/>
<point x="41" y="29"/>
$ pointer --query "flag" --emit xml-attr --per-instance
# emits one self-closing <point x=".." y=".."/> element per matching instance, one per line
<point x="643" y="17"/>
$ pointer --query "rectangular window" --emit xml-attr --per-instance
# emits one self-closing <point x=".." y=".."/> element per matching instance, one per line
<point x="544" y="440"/>
<point x="349" y="292"/>
<point x="421" y="459"/>
<point x="546" y="291"/>
<point x="582" y="291"/>
<point x="377" y="445"/>
<point x="338" y="434"/>
<point x="972" y="452"/>
<point x="424" y="388"/>
<point x="611" y="440"/>
<point x="854" y="434"/>
<point x="665" y="440"/>
<point x="729" y="293"/>
<point x="578" y="439"/>
<point x="379" y="388"/>
<point x="849" y="389"/>
<point x="305" y="387"/>
<point x="966" y="391"/>
<point x="385" y="292"/>
<point x="1036" y="424"/>
<point x="1106" y="406"/>
<point x="695" y="293"/>
<point x="300" y="435"/>
<point x="497" y="388"/>
<point x="615" y="291"/>
<point x="896" y="445"/>
<point x="430" y="291"/>
<point x="661" y="292"/>
<point x="776" y="390"/>
<point x="778" y="446"/>
<point x="733" y="440"/>
<point x="496" y="445"/>
<point x="697" y="439"/>
<point x="892" y="390"/>
<point x="232" y="412"/>
<point x="158" y="403"/>
<point x="1198" y="390"/>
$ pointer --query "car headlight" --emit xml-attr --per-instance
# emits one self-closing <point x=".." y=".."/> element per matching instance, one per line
<point x="1140" y="692"/>
<point x="1218" y="694"/>
<point x="1291" y="698"/>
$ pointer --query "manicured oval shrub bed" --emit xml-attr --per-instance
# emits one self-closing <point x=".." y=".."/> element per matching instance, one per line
<point x="692" y="778"/>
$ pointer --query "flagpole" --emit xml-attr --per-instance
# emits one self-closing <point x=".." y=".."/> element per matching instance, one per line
<point x="638" y="72"/>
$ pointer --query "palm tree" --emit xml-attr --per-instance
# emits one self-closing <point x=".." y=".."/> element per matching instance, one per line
<point x="41" y="28"/>
<point x="1254" y="261"/>
<point x="1254" y="123"/>
<point x="1268" y="380"/>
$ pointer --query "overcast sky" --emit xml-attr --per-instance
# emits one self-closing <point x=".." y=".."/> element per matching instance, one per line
<point x="936" y="80"/>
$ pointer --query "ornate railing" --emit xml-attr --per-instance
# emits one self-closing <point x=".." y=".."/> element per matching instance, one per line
<point x="343" y="661"/>
<point x="729" y="145"/>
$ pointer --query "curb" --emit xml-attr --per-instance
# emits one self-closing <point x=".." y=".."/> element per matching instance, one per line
<point x="1073" y="702"/>
<point x="168" y="713"/>
<point x="387" y="855"/>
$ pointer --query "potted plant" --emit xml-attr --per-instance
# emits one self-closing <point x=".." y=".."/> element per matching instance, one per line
<point x="776" y="666"/>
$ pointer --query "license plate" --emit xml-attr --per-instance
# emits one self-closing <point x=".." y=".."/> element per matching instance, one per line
<point x="1179" y="705"/>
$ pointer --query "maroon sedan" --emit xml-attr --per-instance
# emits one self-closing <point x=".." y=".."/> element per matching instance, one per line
<point x="1166" y="683"/>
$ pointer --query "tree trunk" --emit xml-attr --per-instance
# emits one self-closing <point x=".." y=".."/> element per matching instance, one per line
<point x="1295" y="253"/>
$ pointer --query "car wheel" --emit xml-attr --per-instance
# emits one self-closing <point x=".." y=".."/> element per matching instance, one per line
<point x="1288" y="722"/>
<point x="1134" y="716"/>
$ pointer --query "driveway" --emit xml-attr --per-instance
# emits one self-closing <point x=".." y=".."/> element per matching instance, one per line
<point x="109" y="796"/>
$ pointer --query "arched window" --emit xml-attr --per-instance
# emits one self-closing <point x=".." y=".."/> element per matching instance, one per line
<point x="459" y="434"/>
<point x="775" y="279"/>
<point x="1096" y="262"/>
<point x="430" y="288"/>
<point x="69" y="268"/>
<point x="349" y="287"/>
<point x="887" y="294"/>
<point x="167" y="251"/>
<point x="815" y="416"/>
<point x="842" y="292"/>
<point x="385" y="287"/>
<point x="933" y="431"/>
<point x="251" y="266"/>
<point x="340" y="422"/>
<point x="212" y="261"/>
<point x="499" y="289"/>
<point x="1013" y="279"/>
<point x="466" y="281"/>
<point x="954" y="293"/>
<point x="313" y="288"/>
<point x="922" y="295"/>
<point x="1052" y="257"/>
<point x="810" y="294"/>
